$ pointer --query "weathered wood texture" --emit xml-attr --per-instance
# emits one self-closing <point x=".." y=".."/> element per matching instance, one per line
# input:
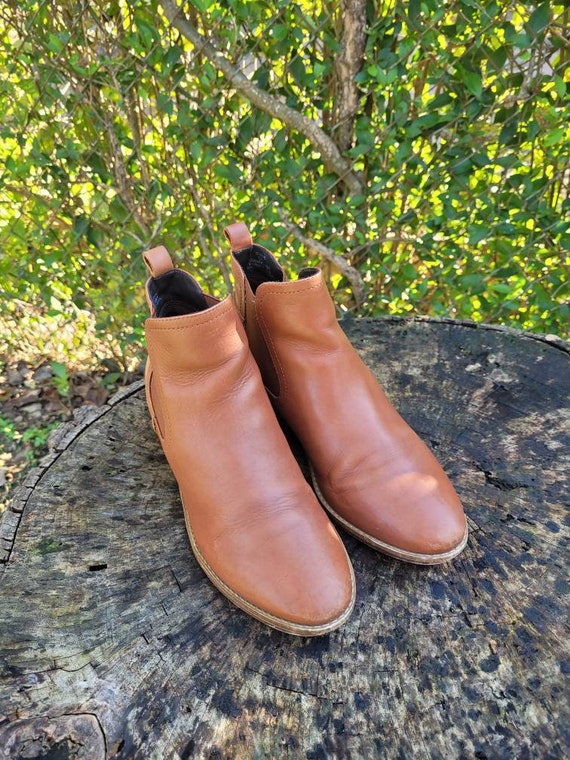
<point x="114" y="644"/>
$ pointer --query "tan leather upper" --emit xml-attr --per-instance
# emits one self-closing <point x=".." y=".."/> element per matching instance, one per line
<point x="250" y="513"/>
<point x="371" y="468"/>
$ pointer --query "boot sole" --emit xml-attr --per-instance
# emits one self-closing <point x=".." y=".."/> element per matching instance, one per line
<point x="287" y="626"/>
<point x="415" y="558"/>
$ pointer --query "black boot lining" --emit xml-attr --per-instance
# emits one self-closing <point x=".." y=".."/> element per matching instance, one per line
<point x="175" y="293"/>
<point x="307" y="272"/>
<point x="259" y="266"/>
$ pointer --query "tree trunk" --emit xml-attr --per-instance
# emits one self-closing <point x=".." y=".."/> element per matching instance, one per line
<point x="347" y="64"/>
<point x="113" y="644"/>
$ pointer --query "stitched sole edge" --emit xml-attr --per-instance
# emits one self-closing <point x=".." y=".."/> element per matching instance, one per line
<point x="415" y="558"/>
<point x="296" y="629"/>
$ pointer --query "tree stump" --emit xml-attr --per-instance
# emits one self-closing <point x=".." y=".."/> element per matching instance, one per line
<point x="113" y="643"/>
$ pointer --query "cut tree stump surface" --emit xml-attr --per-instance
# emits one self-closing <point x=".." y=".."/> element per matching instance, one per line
<point x="113" y="644"/>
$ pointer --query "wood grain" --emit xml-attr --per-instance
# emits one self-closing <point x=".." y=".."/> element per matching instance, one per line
<point x="113" y="644"/>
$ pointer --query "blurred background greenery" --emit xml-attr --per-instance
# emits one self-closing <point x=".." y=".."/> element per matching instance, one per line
<point x="418" y="151"/>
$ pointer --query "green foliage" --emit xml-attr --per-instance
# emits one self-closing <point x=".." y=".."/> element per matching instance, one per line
<point x="8" y="429"/>
<point x="34" y="437"/>
<point x="117" y="134"/>
<point x="60" y="378"/>
<point x="37" y="437"/>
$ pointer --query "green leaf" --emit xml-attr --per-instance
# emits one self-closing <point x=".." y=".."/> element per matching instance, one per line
<point x="497" y="56"/>
<point x="80" y="225"/>
<point x="506" y="228"/>
<point x="409" y="216"/>
<point x="475" y="283"/>
<point x="118" y="210"/>
<point x="165" y="103"/>
<point x="280" y="31"/>
<point x="472" y="81"/>
<point x="280" y="141"/>
<point x="539" y="19"/>
<point x="501" y="287"/>
<point x="58" y="369"/>
<point x="477" y="233"/>
<point x="171" y="59"/>
<point x="414" y="11"/>
<point x="508" y="132"/>
<point x="147" y="30"/>
<point x="427" y="123"/>
<point x="57" y="42"/>
<point x="560" y="87"/>
<point x="555" y="136"/>
<point x="11" y="165"/>
<point x="297" y="69"/>
<point x="443" y="99"/>
<point x="230" y="172"/>
<point x="543" y="298"/>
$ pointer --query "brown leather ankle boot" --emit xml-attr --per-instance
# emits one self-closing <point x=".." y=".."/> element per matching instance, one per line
<point x="371" y="472"/>
<point x="255" y="526"/>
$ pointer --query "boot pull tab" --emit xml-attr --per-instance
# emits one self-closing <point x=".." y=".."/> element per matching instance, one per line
<point x="239" y="236"/>
<point x="158" y="261"/>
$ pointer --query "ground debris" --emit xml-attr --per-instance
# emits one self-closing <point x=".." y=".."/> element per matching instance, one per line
<point x="35" y="399"/>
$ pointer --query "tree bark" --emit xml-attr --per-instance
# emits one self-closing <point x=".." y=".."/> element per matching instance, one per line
<point x="347" y="64"/>
<point x="113" y="643"/>
<point x="333" y="160"/>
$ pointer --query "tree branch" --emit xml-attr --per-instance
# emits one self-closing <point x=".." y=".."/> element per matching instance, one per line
<point x="333" y="160"/>
<point x="351" y="273"/>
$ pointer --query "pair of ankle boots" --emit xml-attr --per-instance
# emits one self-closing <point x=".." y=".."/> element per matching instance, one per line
<point x="216" y="372"/>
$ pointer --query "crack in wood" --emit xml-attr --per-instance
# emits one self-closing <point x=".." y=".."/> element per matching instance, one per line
<point x="67" y="433"/>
